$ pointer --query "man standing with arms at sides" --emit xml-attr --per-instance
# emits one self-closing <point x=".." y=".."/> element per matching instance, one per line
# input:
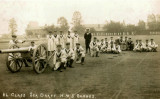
<point x="56" y="38"/>
<point x="61" y="39"/>
<point x="76" y="38"/>
<point x="69" y="39"/>
<point x="87" y="37"/>
<point x="50" y="43"/>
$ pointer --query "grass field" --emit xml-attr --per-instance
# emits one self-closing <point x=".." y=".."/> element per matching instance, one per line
<point x="129" y="75"/>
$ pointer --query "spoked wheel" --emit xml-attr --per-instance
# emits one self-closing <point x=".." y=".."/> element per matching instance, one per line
<point x="40" y="58"/>
<point x="14" y="61"/>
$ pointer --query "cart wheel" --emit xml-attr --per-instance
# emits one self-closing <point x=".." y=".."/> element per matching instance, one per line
<point x="14" y="62"/>
<point x="40" y="58"/>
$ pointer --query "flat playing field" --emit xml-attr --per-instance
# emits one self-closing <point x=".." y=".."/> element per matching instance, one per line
<point x="129" y="75"/>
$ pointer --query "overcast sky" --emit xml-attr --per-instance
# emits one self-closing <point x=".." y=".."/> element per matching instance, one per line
<point x="93" y="11"/>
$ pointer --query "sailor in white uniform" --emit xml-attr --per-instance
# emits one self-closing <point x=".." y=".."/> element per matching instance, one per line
<point x="56" y="38"/>
<point x="79" y="53"/>
<point x="106" y="45"/>
<point x="111" y="40"/>
<point x="139" y="47"/>
<point x="111" y="47"/>
<point x="153" y="46"/>
<point x="14" y="44"/>
<point x="147" y="47"/>
<point x="15" y="41"/>
<point x="70" y="55"/>
<point x="59" y="59"/>
<point x="94" y="48"/>
<point x="76" y="38"/>
<point x="102" y="46"/>
<point x="32" y="46"/>
<point x="62" y="39"/>
<point x="69" y="39"/>
<point x="136" y="45"/>
<point x="117" y="49"/>
<point x="50" y="43"/>
<point x="98" y="44"/>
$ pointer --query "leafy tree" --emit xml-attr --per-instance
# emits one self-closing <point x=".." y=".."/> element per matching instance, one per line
<point x="141" y="25"/>
<point x="79" y="28"/>
<point x="131" y="28"/>
<point x="77" y="23"/>
<point x="77" y="18"/>
<point x="92" y="30"/>
<point x="151" y="22"/>
<point x="13" y="26"/>
<point x="63" y="24"/>
<point x="113" y="27"/>
<point x="50" y="28"/>
<point x="29" y="32"/>
<point x="158" y="22"/>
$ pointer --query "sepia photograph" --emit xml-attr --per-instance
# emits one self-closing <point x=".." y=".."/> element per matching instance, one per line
<point x="79" y="49"/>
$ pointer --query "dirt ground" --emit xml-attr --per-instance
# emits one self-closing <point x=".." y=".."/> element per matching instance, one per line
<point x="129" y="75"/>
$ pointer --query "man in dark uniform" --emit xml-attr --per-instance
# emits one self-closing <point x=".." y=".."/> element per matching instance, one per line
<point x="87" y="37"/>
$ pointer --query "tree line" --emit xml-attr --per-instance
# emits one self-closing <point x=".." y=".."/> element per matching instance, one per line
<point x="152" y="24"/>
<point x="63" y="25"/>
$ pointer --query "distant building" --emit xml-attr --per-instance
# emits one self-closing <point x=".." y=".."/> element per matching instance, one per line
<point x="97" y="27"/>
<point x="34" y="29"/>
<point x="158" y="17"/>
<point x="33" y="24"/>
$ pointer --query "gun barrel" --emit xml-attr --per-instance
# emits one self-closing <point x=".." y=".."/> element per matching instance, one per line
<point x="20" y="50"/>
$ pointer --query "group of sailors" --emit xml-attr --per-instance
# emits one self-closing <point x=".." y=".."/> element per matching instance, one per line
<point x="103" y="46"/>
<point x="148" y="46"/>
<point x="54" y="39"/>
<point x="65" y="50"/>
<point x="121" y="44"/>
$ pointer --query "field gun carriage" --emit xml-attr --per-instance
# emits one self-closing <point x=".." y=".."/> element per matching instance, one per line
<point x="19" y="56"/>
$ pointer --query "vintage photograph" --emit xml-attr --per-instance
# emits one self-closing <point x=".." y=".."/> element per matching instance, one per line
<point x="79" y="49"/>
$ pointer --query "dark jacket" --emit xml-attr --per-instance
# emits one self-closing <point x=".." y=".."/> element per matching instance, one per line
<point x="87" y="37"/>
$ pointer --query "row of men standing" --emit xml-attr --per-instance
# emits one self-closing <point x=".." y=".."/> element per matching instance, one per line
<point x="54" y="39"/>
